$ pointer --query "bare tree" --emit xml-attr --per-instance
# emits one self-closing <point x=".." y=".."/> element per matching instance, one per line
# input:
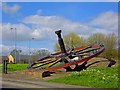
<point x="40" y="54"/>
<point x="71" y="40"/>
<point x="111" y="47"/>
<point x="97" y="38"/>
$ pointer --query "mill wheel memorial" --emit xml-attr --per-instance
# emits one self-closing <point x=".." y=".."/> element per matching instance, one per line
<point x="66" y="58"/>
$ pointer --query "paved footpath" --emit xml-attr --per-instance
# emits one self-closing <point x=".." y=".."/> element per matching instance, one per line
<point x="13" y="83"/>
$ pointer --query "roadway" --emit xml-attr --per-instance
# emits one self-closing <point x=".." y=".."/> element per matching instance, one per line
<point x="12" y="83"/>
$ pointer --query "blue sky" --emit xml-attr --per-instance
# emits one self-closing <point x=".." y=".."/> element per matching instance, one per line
<point x="77" y="11"/>
<point x="41" y="19"/>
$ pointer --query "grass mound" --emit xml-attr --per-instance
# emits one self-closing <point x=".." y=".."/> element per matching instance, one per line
<point x="95" y="77"/>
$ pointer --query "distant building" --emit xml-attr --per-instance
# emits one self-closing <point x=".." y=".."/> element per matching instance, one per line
<point x="20" y="58"/>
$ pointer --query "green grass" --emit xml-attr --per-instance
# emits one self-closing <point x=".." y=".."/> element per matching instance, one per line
<point x="16" y="67"/>
<point x="97" y="77"/>
<point x="0" y="68"/>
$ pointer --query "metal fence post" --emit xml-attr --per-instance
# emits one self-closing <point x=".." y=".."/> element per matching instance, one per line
<point x="5" y="66"/>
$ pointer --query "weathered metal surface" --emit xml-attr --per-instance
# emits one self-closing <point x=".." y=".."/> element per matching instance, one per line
<point x="67" y="57"/>
<point x="94" y="47"/>
<point x="74" y="62"/>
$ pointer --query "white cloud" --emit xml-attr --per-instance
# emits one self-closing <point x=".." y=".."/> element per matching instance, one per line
<point x="106" y="22"/>
<point x="44" y="27"/>
<point x="39" y="12"/>
<point x="0" y="32"/>
<point x="10" y="9"/>
<point x="49" y="24"/>
<point x="22" y="32"/>
<point x="5" y="49"/>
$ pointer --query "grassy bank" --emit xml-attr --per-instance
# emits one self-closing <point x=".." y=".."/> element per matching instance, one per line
<point x="97" y="77"/>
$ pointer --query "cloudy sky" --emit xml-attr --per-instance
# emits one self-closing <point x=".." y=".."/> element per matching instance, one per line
<point x="39" y="20"/>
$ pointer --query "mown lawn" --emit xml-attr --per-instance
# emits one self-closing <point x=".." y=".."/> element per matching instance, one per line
<point x="0" y="68"/>
<point x="16" y="67"/>
<point x="96" y="77"/>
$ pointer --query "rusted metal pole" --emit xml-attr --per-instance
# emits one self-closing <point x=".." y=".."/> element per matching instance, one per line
<point x="62" y="47"/>
<point x="60" y="40"/>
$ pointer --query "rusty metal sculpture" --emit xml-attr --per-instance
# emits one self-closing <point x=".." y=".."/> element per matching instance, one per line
<point x="67" y="58"/>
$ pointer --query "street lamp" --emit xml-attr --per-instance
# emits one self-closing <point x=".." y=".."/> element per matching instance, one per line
<point x="15" y="39"/>
<point x="30" y="49"/>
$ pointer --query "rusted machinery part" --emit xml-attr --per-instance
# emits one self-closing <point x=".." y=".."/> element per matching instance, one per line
<point x="79" y="50"/>
<point x="44" y="59"/>
<point x="58" y="60"/>
<point x="74" y="62"/>
<point x="76" y="49"/>
<point x="47" y="60"/>
<point x="51" y="61"/>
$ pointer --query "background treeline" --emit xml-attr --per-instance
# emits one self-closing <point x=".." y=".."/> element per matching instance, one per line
<point x="72" y="40"/>
<point x="32" y="56"/>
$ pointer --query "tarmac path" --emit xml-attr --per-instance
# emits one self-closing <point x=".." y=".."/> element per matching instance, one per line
<point x="12" y="83"/>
